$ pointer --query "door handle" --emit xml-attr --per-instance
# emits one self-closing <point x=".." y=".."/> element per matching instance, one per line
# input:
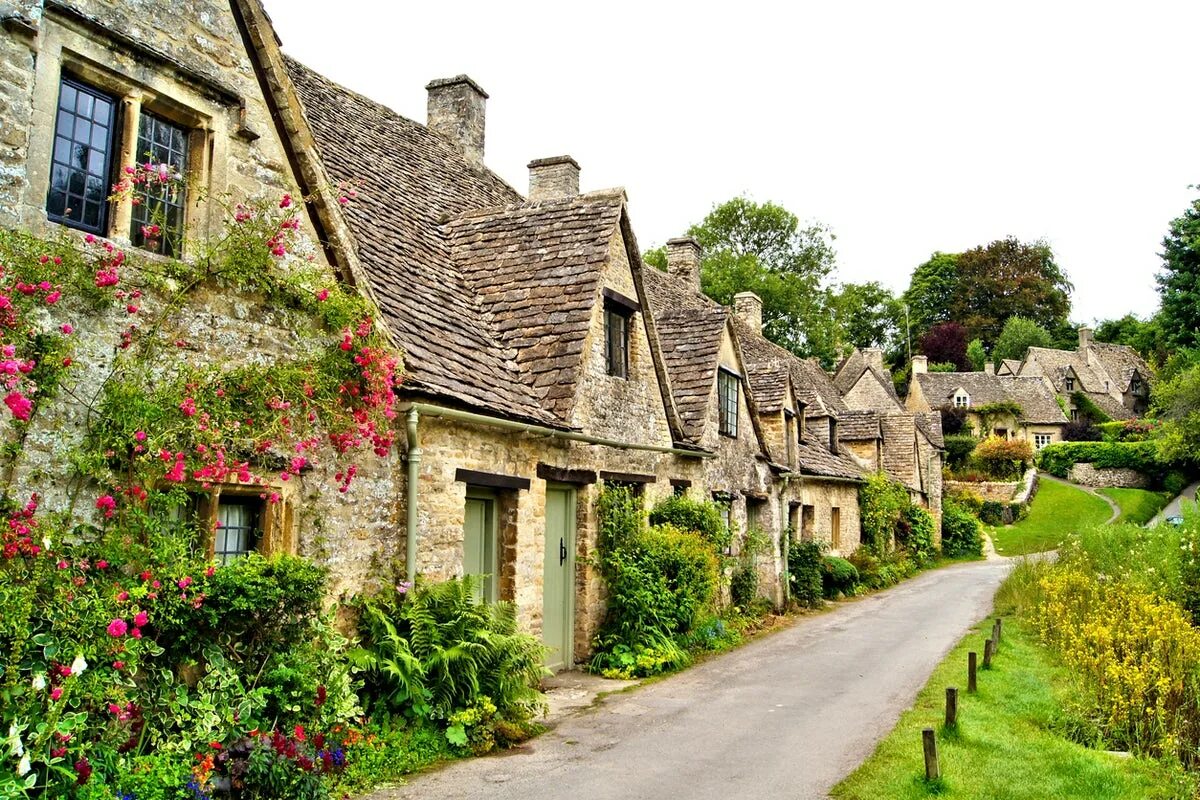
<point x="562" y="552"/>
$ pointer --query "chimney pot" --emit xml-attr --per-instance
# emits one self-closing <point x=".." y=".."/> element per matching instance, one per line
<point x="748" y="307"/>
<point x="456" y="110"/>
<point x="1085" y="338"/>
<point x="683" y="261"/>
<point x="920" y="365"/>
<point x="553" y="178"/>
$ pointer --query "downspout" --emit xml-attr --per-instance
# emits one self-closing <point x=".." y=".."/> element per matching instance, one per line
<point x="414" y="476"/>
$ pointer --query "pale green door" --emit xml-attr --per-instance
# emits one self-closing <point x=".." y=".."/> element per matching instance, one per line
<point x="558" y="584"/>
<point x="479" y="543"/>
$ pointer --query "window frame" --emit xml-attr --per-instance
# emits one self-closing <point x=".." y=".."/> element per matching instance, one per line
<point x="1042" y="440"/>
<point x="138" y="220"/>
<point x="962" y="400"/>
<point x="613" y="312"/>
<point x="256" y="533"/>
<point x="1069" y="384"/>
<point x="112" y="142"/>
<point x="728" y="404"/>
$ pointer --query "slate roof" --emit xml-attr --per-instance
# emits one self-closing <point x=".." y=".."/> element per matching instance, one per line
<point x="858" y="426"/>
<point x="812" y="384"/>
<point x="1009" y="366"/>
<point x="899" y="450"/>
<point x="930" y="424"/>
<point x="1121" y="362"/>
<point x="854" y="366"/>
<point x="813" y="457"/>
<point x="1055" y="365"/>
<point x="1038" y="404"/>
<point x="690" y="328"/>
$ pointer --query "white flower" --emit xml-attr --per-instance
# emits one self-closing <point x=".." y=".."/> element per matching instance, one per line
<point x="23" y="765"/>
<point x="14" y="739"/>
<point x="46" y="543"/>
<point x="78" y="665"/>
<point x="39" y="682"/>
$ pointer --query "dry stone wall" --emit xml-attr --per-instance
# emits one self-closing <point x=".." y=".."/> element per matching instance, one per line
<point x="1091" y="475"/>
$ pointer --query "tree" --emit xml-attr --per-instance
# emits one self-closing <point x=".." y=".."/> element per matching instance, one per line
<point x="930" y="292"/>
<point x="1018" y="336"/>
<point x="977" y="355"/>
<point x="867" y="315"/>
<point x="1005" y="279"/>
<point x="946" y="343"/>
<point x="1147" y="337"/>
<point x="1177" y="403"/>
<point x="1179" y="282"/>
<point x="762" y="248"/>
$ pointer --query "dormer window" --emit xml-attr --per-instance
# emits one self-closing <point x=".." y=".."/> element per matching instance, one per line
<point x="728" y="391"/>
<point x="962" y="399"/>
<point x="1069" y="383"/>
<point x="618" y="316"/>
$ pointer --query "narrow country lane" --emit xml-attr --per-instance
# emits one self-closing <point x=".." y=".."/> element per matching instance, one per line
<point x="787" y="716"/>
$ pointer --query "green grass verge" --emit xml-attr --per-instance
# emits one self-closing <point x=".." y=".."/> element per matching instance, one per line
<point x="1005" y="746"/>
<point x="1138" y="506"/>
<point x="1057" y="510"/>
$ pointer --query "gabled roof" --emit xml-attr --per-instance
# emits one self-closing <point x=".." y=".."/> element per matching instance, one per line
<point x="856" y="365"/>
<point x="1038" y="403"/>
<point x="1121" y="362"/>
<point x="813" y="457"/>
<point x="812" y="385"/>
<point x="1058" y="364"/>
<point x="929" y="423"/>
<point x="899" y="450"/>
<point x="1009" y="366"/>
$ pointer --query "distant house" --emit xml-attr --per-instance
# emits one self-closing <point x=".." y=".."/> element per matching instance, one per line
<point x="989" y="400"/>
<point x="865" y="382"/>
<point x="1112" y="376"/>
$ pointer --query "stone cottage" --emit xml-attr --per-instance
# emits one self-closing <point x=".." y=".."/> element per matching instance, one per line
<point x="1112" y="376"/>
<point x="988" y="400"/>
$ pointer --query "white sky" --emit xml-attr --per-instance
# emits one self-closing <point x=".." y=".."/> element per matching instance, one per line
<point x="907" y="127"/>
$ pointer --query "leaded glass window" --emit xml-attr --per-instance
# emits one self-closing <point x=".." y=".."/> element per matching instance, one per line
<point x="158" y="215"/>
<point x="237" y="529"/>
<point x="616" y="340"/>
<point x="728" y="386"/>
<point x="81" y="164"/>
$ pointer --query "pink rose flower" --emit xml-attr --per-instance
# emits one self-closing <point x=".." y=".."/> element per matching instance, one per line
<point x="117" y="628"/>
<point x="141" y="619"/>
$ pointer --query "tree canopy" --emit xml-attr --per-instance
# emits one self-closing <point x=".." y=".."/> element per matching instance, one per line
<point x="1179" y="282"/>
<point x="946" y="343"/>
<point x="1020" y="334"/>
<point x="868" y="315"/>
<point x="931" y="292"/>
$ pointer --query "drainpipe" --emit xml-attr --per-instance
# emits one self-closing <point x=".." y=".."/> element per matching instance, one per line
<point x="414" y="476"/>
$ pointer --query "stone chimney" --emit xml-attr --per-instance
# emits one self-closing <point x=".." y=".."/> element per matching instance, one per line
<point x="456" y="111"/>
<point x="874" y="357"/>
<point x="683" y="261"/>
<point x="920" y="365"/>
<point x="1085" y="338"/>
<point x="989" y="368"/>
<point x="553" y="178"/>
<point x="748" y="307"/>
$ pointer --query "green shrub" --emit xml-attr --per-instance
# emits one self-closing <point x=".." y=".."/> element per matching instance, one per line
<point x="992" y="512"/>
<point x="916" y="535"/>
<point x="838" y="576"/>
<point x="698" y="516"/>
<point x="1175" y="482"/>
<point x="881" y="503"/>
<point x="1058" y="458"/>
<point x="971" y="501"/>
<point x="959" y="448"/>
<point x="880" y="572"/>
<point x="1089" y="410"/>
<point x="743" y="584"/>
<point x="804" y="573"/>
<point x="962" y="534"/>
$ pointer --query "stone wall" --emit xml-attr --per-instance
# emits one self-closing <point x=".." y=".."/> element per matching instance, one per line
<point x="996" y="491"/>
<point x="1090" y="475"/>
<point x="824" y="495"/>
<point x="868" y="393"/>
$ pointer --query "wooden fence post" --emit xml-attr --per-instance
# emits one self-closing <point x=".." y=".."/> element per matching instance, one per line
<point x="951" y="707"/>
<point x="972" y="660"/>
<point x="932" y="771"/>
<point x="987" y="654"/>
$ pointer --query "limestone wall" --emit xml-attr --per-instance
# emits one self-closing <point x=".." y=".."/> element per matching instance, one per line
<point x="996" y="491"/>
<point x="1090" y="475"/>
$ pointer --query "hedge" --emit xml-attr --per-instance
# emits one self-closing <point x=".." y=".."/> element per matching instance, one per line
<point x="1058" y="458"/>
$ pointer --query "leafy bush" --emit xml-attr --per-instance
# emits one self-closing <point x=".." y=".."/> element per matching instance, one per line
<point x="1081" y="430"/>
<point x="1088" y="410"/>
<point x="1058" y="458"/>
<point x="954" y="420"/>
<point x="992" y="512"/>
<point x="881" y="503"/>
<point x="970" y="500"/>
<point x="838" y="577"/>
<point x="1003" y="458"/>
<point x="743" y="584"/>
<point x="959" y="447"/>
<point x="880" y="572"/>
<point x="698" y="516"/>
<point x="1175" y="482"/>
<point x="804" y="573"/>
<point x="437" y="650"/>
<point x="915" y="533"/>
<point x="962" y="534"/>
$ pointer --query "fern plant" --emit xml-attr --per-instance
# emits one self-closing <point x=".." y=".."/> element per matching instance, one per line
<point x="438" y="650"/>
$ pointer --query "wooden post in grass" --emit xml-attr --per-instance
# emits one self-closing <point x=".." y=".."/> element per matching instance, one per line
<point x="932" y="772"/>
<point x="972" y="660"/>
<point x="951" y="707"/>
<point x="999" y="628"/>
<point x="987" y="654"/>
<point x="996" y="637"/>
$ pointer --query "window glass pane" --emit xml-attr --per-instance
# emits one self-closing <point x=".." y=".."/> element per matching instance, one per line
<point x="81" y="157"/>
<point x="160" y="142"/>
<point x="66" y="98"/>
<point x="83" y="105"/>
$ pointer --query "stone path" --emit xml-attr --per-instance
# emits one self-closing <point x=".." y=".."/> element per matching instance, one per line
<point x="788" y="715"/>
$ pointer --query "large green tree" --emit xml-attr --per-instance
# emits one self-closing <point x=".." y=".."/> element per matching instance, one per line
<point x="1145" y="336"/>
<point x="930" y="292"/>
<point x="1179" y="282"/>
<point x="763" y="248"/>
<point x="868" y="315"/>
<point x="1020" y="334"/>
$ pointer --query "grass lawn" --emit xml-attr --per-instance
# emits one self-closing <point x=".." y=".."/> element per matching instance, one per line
<point x="1137" y="505"/>
<point x="1057" y="510"/>
<point x="1004" y="747"/>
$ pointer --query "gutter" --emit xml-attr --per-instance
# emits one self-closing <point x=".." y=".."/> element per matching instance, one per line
<point x="415" y="410"/>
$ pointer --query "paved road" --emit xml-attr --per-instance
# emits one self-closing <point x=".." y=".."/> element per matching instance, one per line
<point x="786" y="716"/>
<point x="1173" y="508"/>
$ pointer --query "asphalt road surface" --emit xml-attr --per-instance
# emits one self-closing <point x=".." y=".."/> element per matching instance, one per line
<point x="787" y="716"/>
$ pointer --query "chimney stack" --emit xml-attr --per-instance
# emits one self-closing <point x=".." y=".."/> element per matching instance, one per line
<point x="683" y="261"/>
<point x="1085" y="338"/>
<point x="748" y="307"/>
<point x="553" y="178"/>
<point x="456" y="111"/>
<point x="874" y="357"/>
<point x="989" y="368"/>
<point x="920" y="365"/>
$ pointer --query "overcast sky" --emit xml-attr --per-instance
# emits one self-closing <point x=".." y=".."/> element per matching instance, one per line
<point x="905" y="127"/>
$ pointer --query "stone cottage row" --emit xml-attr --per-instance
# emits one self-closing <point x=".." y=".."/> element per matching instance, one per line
<point x="543" y="359"/>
